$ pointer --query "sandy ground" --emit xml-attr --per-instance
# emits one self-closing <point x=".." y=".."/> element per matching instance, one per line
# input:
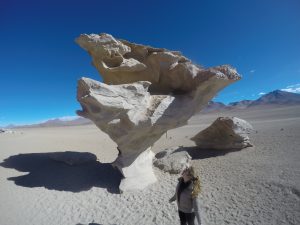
<point x="258" y="185"/>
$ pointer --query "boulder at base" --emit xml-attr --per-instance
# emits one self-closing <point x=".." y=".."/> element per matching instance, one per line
<point x="171" y="160"/>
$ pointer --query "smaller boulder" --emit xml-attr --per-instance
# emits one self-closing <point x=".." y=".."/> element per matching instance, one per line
<point x="73" y="158"/>
<point x="225" y="133"/>
<point x="171" y="160"/>
<point x="6" y="131"/>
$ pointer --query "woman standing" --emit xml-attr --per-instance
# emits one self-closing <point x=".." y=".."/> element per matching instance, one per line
<point x="186" y="194"/>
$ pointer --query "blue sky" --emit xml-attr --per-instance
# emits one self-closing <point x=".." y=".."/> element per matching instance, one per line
<point x="40" y="62"/>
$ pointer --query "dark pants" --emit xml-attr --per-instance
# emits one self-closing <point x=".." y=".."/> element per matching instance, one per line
<point x="186" y="218"/>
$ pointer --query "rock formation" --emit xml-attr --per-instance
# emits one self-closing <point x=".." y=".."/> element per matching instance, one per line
<point x="6" y="131"/>
<point x="172" y="161"/>
<point x="225" y="133"/>
<point x="145" y="92"/>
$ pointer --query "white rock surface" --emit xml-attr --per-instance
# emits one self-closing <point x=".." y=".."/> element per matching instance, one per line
<point x="121" y="62"/>
<point x="172" y="161"/>
<point x="225" y="133"/>
<point x="6" y="131"/>
<point x="146" y="91"/>
<point x="138" y="174"/>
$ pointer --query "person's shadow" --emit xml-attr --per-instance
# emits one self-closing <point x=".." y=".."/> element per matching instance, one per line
<point x="47" y="170"/>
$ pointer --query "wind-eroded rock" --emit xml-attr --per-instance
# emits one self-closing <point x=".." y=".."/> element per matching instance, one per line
<point x="172" y="161"/>
<point x="146" y="91"/>
<point x="6" y="131"/>
<point x="122" y="62"/>
<point x="225" y="133"/>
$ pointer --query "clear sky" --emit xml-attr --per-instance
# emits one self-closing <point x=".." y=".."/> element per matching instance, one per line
<point x="40" y="63"/>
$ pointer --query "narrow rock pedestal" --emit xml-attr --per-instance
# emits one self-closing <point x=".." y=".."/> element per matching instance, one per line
<point x="137" y="174"/>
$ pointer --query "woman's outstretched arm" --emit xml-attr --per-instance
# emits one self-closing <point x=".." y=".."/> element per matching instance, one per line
<point x="174" y="196"/>
<point x="172" y="199"/>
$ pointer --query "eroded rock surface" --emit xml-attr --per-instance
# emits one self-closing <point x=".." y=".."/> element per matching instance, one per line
<point x="172" y="161"/>
<point x="122" y="62"/>
<point x="7" y="131"/>
<point x="225" y="133"/>
<point x="146" y="91"/>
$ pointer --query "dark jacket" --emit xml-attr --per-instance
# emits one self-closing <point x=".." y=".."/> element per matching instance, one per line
<point x="186" y="203"/>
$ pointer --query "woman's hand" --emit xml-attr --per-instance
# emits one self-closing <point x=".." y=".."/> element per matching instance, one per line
<point x="172" y="199"/>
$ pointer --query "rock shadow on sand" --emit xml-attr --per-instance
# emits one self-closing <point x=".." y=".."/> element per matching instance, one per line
<point x="91" y="224"/>
<point x="201" y="153"/>
<point x="44" y="171"/>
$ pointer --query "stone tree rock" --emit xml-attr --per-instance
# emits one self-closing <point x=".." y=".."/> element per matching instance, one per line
<point x="225" y="133"/>
<point x="146" y="91"/>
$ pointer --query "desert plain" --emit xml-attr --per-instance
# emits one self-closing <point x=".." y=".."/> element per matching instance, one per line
<point x="258" y="185"/>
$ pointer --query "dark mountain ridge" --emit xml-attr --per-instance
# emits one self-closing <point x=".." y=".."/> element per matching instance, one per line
<point x="277" y="97"/>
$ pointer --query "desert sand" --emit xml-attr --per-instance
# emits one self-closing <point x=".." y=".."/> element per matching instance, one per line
<point x="257" y="185"/>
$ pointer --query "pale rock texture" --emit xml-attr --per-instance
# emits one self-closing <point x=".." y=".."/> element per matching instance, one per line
<point x="120" y="62"/>
<point x="173" y="161"/>
<point x="6" y="131"/>
<point x="225" y="133"/>
<point x="146" y="91"/>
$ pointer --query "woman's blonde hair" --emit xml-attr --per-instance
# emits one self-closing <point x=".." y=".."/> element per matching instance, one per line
<point x="196" y="182"/>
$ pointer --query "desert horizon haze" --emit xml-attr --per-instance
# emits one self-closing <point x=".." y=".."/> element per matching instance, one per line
<point x="275" y="98"/>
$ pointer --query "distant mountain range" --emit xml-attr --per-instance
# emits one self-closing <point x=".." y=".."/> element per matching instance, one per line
<point x="55" y="123"/>
<point x="274" y="98"/>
